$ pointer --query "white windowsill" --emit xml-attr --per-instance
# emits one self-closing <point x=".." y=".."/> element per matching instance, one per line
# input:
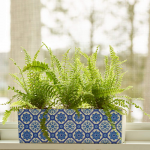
<point x="129" y="145"/>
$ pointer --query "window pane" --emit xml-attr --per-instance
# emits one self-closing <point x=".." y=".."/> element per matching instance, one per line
<point x="4" y="53"/>
<point x="63" y="24"/>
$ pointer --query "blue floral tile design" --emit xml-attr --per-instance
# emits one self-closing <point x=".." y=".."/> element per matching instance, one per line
<point x="87" y="126"/>
<point x="26" y="135"/>
<point x="42" y="137"/>
<point x="115" y="117"/>
<point x="78" y="119"/>
<point x="52" y="111"/>
<point x="101" y="111"/>
<point x="52" y="126"/>
<point x="79" y="135"/>
<point x="88" y="141"/>
<point x="40" y="116"/>
<point x="35" y="140"/>
<point x="65" y="126"/>
<point x="69" y="111"/>
<point x="87" y="111"/>
<point x="20" y="126"/>
<point x="26" y="118"/>
<point x="61" y="117"/>
<point x="113" y="136"/>
<point x="70" y="126"/>
<point x="96" y="135"/>
<point x="105" y="126"/>
<point x="96" y="117"/>
<point x="70" y="141"/>
<point x="20" y="111"/>
<point x="61" y="135"/>
<point x="105" y="141"/>
<point x="54" y="140"/>
<point x="35" y="126"/>
<point x="34" y="111"/>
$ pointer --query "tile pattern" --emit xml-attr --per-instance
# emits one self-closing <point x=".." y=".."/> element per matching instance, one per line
<point x="64" y="126"/>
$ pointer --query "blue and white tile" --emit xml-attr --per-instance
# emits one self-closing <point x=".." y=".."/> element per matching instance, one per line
<point x="87" y="141"/>
<point x="42" y="137"/>
<point x="52" y="111"/>
<point x="69" y="111"/>
<point x="26" y="117"/>
<point x="20" y="111"/>
<point x="78" y="135"/>
<point x="52" y="126"/>
<point x="112" y="135"/>
<point x="70" y="126"/>
<point x="27" y="135"/>
<point x="105" y="126"/>
<point x="78" y="119"/>
<point x="40" y="116"/>
<point x="34" y="111"/>
<point x="96" y="117"/>
<point x="119" y="126"/>
<point x="86" y="111"/>
<point x="70" y="141"/>
<point x="61" y="117"/>
<point x="101" y="111"/>
<point x="96" y="135"/>
<point x="87" y="126"/>
<point x="20" y="126"/>
<point x="35" y="140"/>
<point x="54" y="140"/>
<point x="35" y="126"/>
<point x="115" y="117"/>
<point x="61" y="135"/>
<point x="105" y="141"/>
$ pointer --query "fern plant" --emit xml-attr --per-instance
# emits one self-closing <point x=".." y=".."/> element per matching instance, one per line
<point x="68" y="72"/>
<point x="66" y="77"/>
<point x="103" y="91"/>
<point x="37" y="91"/>
<point x="70" y="84"/>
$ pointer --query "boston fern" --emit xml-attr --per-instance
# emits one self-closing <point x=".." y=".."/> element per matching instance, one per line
<point x="69" y="89"/>
<point x="102" y="91"/>
<point x="37" y="91"/>
<point x="69" y="84"/>
<point x="66" y="77"/>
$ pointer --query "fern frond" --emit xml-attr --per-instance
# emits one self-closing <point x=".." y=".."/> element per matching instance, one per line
<point x="36" y="65"/>
<point x="13" y="97"/>
<point x="27" y="56"/>
<point x="13" y="88"/>
<point x="58" y="64"/>
<point x="23" y="79"/>
<point x="83" y="54"/>
<point x="7" y="114"/>
<point x="65" y="57"/>
<point x="52" y="61"/>
<point x="19" y="93"/>
<point x="36" y="54"/>
<point x="17" y="79"/>
<point x="94" y="55"/>
<point x="24" y="104"/>
<point x="52" y="76"/>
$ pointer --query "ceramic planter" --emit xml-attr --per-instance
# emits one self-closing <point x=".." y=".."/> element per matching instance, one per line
<point x="64" y="126"/>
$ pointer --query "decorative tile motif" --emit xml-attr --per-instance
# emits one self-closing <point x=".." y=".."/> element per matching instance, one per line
<point x="105" y="126"/>
<point x="52" y="126"/>
<point x="65" y="126"/>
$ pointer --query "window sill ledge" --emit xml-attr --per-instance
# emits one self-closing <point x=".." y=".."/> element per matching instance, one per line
<point x="130" y="145"/>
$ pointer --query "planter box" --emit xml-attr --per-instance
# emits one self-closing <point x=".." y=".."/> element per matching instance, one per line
<point x="64" y="126"/>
